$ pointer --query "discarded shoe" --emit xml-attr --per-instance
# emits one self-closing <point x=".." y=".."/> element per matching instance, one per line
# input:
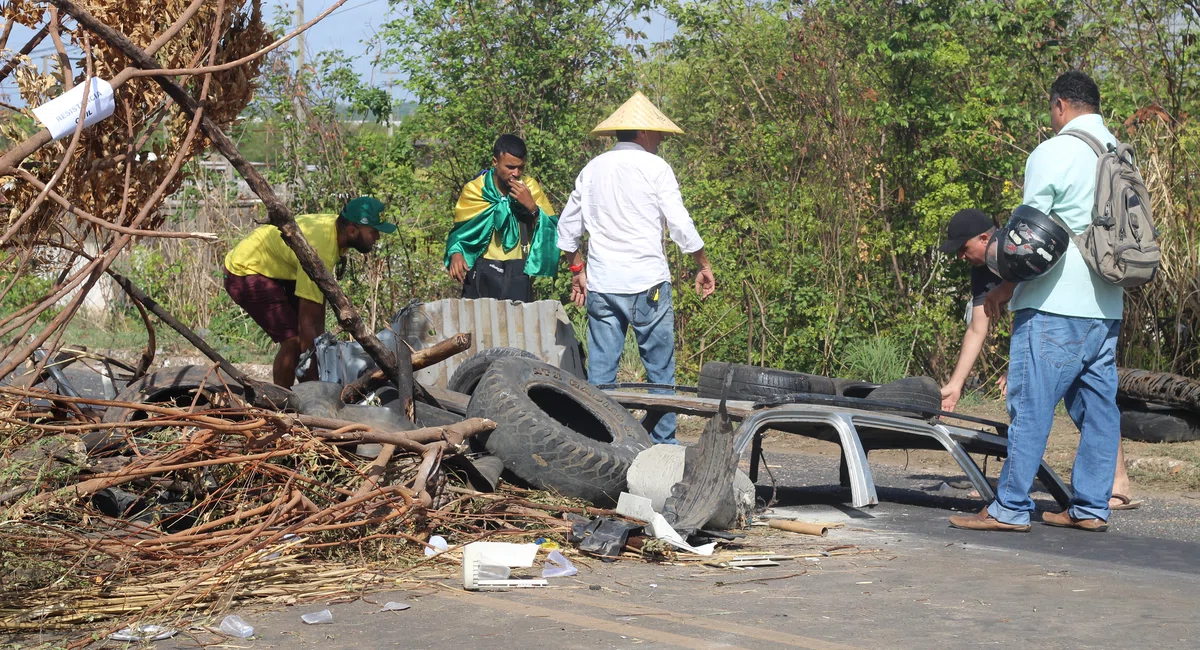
<point x="1065" y="520"/>
<point x="983" y="521"/>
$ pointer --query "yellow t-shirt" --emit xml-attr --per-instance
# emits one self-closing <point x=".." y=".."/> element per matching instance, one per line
<point x="263" y="252"/>
<point x="469" y="205"/>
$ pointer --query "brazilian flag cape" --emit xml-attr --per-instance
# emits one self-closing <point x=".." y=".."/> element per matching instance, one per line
<point x="485" y="225"/>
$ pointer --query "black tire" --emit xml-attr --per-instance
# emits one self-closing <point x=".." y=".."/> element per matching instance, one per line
<point x="174" y="387"/>
<point x="466" y="377"/>
<point x="432" y="416"/>
<point x="755" y="383"/>
<point x="921" y="392"/>
<point x="427" y="415"/>
<point x="1154" y="423"/>
<point x="853" y="388"/>
<point x="556" y="431"/>
<point x="1159" y="388"/>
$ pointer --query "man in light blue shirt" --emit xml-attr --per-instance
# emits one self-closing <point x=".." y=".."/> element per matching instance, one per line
<point x="1064" y="338"/>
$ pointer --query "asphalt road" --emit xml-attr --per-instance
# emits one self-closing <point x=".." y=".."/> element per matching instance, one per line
<point x="908" y="581"/>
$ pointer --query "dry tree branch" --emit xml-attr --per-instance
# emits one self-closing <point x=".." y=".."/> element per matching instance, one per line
<point x="398" y="367"/>
<point x="34" y="40"/>
<point x="14" y="156"/>
<point x="209" y="69"/>
<point x="71" y="209"/>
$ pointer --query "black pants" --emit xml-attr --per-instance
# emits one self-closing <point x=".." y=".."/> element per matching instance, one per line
<point x="500" y="280"/>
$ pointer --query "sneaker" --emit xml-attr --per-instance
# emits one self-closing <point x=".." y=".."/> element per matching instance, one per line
<point x="1065" y="520"/>
<point x="984" y="521"/>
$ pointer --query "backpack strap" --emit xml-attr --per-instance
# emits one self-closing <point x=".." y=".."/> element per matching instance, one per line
<point x="1078" y="239"/>
<point x="1092" y="141"/>
<point x="1100" y="150"/>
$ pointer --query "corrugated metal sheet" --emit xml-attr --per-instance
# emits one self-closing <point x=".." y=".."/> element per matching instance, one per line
<point x="540" y="327"/>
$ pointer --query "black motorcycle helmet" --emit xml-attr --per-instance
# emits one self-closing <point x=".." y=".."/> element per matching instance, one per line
<point x="1028" y="246"/>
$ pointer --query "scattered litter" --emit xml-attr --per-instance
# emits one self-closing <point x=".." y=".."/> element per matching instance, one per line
<point x="393" y="606"/>
<point x="505" y="554"/>
<point x="602" y="536"/>
<point x="478" y="555"/>
<point x="748" y="561"/>
<point x="653" y="585"/>
<point x="287" y="543"/>
<point x="144" y="633"/>
<point x="639" y="508"/>
<point x="802" y="527"/>
<point x="493" y="572"/>
<point x="558" y="566"/>
<point x="439" y="545"/>
<point x="864" y="582"/>
<point x="234" y="626"/>
<point x="318" y="618"/>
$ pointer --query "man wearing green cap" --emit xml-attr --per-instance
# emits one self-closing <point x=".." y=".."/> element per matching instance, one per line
<point x="263" y="276"/>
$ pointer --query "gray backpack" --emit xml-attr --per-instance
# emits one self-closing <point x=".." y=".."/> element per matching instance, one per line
<point x="1121" y="244"/>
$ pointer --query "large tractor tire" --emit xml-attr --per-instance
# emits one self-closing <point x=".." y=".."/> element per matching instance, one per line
<point x="1154" y="423"/>
<point x="466" y="377"/>
<point x="172" y="387"/>
<point x="555" y="431"/>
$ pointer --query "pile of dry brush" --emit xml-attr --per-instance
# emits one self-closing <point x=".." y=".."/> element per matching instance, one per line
<point x="199" y="504"/>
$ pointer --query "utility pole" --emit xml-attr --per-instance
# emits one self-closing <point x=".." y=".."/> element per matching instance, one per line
<point x="300" y="37"/>
<point x="391" y="75"/>
<point x="297" y="89"/>
<point x="299" y="61"/>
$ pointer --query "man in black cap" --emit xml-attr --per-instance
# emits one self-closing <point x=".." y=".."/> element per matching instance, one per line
<point x="967" y="238"/>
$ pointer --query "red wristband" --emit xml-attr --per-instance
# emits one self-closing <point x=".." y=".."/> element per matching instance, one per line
<point x="576" y="268"/>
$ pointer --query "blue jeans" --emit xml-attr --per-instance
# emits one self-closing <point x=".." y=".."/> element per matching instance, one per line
<point x="609" y="316"/>
<point x="1056" y="358"/>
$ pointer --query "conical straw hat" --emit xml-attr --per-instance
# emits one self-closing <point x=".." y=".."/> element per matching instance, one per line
<point x="637" y="114"/>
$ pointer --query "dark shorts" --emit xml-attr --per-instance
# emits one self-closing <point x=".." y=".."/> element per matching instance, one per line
<point x="271" y="303"/>
<point x="500" y="280"/>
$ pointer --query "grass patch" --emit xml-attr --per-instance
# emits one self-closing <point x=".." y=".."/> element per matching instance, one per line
<point x="121" y="334"/>
<point x="878" y="360"/>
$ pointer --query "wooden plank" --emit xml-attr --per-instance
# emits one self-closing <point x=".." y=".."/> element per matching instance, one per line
<point x="703" y="406"/>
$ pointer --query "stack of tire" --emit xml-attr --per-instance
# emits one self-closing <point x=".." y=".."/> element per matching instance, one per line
<point x="1158" y="406"/>
<point x="554" y="431"/>
<point x="768" y="384"/>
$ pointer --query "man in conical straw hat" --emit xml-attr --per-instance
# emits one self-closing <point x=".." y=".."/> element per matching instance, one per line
<point x="622" y="199"/>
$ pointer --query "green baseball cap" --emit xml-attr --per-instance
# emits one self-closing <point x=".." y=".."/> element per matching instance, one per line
<point x="365" y="211"/>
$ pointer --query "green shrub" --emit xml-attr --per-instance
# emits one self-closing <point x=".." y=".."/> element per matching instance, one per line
<point x="878" y="360"/>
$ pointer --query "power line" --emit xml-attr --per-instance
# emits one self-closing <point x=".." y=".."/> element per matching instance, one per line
<point x="361" y="4"/>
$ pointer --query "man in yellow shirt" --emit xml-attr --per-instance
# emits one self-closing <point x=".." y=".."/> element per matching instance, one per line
<point x="263" y="276"/>
<point x="504" y="229"/>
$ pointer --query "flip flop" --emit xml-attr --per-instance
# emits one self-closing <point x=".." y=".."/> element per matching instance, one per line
<point x="1126" y="503"/>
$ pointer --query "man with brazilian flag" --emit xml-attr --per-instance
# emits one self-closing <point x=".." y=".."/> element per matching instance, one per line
<point x="504" y="230"/>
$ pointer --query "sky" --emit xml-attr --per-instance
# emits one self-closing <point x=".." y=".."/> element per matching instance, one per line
<point x="350" y="28"/>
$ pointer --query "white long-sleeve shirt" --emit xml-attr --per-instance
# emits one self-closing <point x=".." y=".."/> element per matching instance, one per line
<point x="621" y="199"/>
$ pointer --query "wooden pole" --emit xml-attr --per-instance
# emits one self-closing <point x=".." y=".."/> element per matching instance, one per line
<point x="440" y="351"/>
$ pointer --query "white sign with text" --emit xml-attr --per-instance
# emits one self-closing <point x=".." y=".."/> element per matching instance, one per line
<point x="61" y="114"/>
